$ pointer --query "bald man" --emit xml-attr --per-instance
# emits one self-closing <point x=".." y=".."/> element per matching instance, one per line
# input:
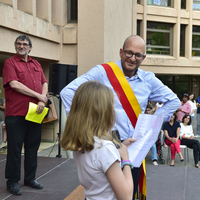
<point x="144" y="85"/>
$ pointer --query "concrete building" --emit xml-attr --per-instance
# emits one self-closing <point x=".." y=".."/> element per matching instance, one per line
<point x="90" y="32"/>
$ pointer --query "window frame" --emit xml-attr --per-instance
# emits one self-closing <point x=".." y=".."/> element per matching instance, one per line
<point x="170" y="31"/>
<point x="69" y="12"/>
<point x="171" y="2"/>
<point x="195" y="48"/>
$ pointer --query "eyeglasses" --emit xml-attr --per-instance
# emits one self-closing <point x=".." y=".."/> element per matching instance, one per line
<point x="20" y="44"/>
<point x="129" y="54"/>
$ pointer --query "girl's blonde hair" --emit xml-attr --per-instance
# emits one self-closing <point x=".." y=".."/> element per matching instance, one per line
<point x="92" y="114"/>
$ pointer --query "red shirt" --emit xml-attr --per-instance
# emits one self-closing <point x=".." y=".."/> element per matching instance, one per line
<point x="30" y="74"/>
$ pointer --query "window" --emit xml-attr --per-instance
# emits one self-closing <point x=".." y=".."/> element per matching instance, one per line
<point x="138" y="27"/>
<point x="182" y="40"/>
<point x="196" y="41"/>
<point x="138" y="1"/>
<point x="196" y="4"/>
<point x="72" y="11"/>
<point x="159" y="38"/>
<point x="181" y="84"/>
<point x="183" y="4"/>
<point x="168" y="3"/>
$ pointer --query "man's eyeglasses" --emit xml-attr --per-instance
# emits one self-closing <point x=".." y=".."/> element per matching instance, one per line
<point x="20" y="44"/>
<point x="129" y="54"/>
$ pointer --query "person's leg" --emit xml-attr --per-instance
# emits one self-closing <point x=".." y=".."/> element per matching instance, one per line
<point x="15" y="137"/>
<point x="136" y="172"/>
<point x="195" y="154"/>
<point x="192" y="144"/>
<point x="172" y="148"/>
<point x="192" y="117"/>
<point x="178" y="149"/>
<point x="198" y="124"/>
<point x="154" y="153"/>
<point x="31" y="144"/>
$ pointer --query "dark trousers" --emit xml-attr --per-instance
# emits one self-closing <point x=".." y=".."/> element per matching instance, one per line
<point x="20" y="131"/>
<point x="136" y="172"/>
<point x="195" y="145"/>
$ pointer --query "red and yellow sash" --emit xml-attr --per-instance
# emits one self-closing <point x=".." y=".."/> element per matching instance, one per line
<point x="130" y="105"/>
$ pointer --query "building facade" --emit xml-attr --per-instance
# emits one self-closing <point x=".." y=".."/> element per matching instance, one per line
<point x="88" y="32"/>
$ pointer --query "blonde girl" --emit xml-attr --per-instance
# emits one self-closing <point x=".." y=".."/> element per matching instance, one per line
<point x="98" y="161"/>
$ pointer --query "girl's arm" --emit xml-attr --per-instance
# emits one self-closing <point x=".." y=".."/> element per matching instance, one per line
<point x="121" y="181"/>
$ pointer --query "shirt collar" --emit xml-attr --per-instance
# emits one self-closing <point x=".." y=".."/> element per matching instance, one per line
<point x="137" y="74"/>
<point x="18" y="59"/>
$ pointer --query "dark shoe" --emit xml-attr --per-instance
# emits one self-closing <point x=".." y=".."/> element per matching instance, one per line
<point x="197" y="166"/>
<point x="33" y="184"/>
<point x="171" y="165"/>
<point x="14" y="189"/>
<point x="182" y="160"/>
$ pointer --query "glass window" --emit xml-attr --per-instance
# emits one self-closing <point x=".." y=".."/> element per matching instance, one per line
<point x="183" y="4"/>
<point x="72" y="14"/>
<point x="182" y="84"/>
<point x="138" y="1"/>
<point x="159" y="38"/>
<point x="169" y="3"/>
<point x="196" y="41"/>
<point x="178" y="84"/>
<point x="138" y="27"/>
<point x="182" y="40"/>
<point x="196" y="4"/>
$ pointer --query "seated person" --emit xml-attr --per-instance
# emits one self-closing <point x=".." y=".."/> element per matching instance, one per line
<point x="172" y="133"/>
<point x="187" y="138"/>
<point x="49" y="105"/>
<point x="153" y="148"/>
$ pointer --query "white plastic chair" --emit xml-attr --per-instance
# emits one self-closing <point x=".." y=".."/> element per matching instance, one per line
<point x="186" y="154"/>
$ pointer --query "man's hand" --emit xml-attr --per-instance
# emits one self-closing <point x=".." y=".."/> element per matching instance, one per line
<point x="42" y="98"/>
<point x="128" y="142"/>
<point x="40" y="107"/>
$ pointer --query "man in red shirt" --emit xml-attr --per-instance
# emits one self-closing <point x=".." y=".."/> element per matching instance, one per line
<point x="24" y="82"/>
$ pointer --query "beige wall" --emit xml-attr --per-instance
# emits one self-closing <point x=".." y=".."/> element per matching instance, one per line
<point x="102" y="28"/>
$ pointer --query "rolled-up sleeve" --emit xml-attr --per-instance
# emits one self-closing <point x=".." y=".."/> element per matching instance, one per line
<point x="162" y="93"/>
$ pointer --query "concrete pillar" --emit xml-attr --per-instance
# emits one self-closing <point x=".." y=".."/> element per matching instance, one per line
<point x="188" y="31"/>
<point x="176" y="34"/>
<point x="57" y="12"/>
<point x="34" y="11"/>
<point x="143" y="28"/>
<point x="102" y="29"/>
<point x="43" y="9"/>
<point x="14" y="2"/>
<point x="25" y="6"/>
<point x="134" y="14"/>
